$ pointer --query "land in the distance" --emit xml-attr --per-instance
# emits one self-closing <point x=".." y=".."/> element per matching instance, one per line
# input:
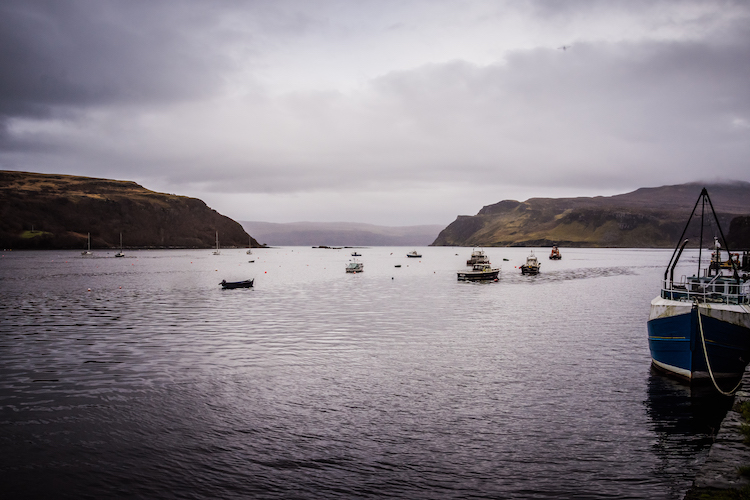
<point x="647" y="218"/>
<point x="43" y="211"/>
<point x="340" y="234"/>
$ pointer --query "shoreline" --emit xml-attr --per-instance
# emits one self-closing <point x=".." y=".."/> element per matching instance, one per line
<point x="719" y="477"/>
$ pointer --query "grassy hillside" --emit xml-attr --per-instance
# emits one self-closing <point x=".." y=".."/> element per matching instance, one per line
<point x="57" y="211"/>
<point x="649" y="217"/>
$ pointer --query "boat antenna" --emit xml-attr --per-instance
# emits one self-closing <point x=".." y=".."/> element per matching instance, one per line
<point x="666" y="271"/>
<point x="723" y="239"/>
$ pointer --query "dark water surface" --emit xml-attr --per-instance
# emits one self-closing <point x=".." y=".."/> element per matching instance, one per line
<point x="393" y="383"/>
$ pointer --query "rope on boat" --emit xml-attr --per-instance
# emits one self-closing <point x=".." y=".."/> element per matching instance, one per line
<point x="705" y="354"/>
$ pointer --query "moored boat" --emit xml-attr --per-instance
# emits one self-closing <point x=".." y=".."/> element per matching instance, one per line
<point x="478" y="257"/>
<point x="217" y="251"/>
<point x="120" y="253"/>
<point x="87" y="252"/>
<point x="699" y="326"/>
<point x="355" y="267"/>
<point x="555" y="253"/>
<point x="532" y="265"/>
<point x="236" y="284"/>
<point x="479" y="272"/>
<point x="413" y="254"/>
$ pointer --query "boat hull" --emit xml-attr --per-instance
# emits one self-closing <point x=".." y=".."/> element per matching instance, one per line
<point x="228" y="285"/>
<point x="529" y="270"/>
<point x="674" y="338"/>
<point x="478" y="276"/>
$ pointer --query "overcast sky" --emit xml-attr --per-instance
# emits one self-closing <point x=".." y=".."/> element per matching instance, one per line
<point x="387" y="112"/>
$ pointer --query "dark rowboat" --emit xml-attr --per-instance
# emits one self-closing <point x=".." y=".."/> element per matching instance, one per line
<point x="236" y="284"/>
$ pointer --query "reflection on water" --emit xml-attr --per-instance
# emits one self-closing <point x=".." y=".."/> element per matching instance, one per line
<point x="396" y="382"/>
<point x="686" y="419"/>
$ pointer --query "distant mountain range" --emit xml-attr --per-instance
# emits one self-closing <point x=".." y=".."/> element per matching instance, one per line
<point x="42" y="211"/>
<point x="647" y="217"/>
<point x="340" y="234"/>
<point x="45" y="211"/>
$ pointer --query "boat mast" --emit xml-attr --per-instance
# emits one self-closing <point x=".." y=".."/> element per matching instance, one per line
<point x="704" y="193"/>
<point x="671" y="264"/>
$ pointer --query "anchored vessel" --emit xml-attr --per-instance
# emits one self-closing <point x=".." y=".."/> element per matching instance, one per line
<point x="236" y="284"/>
<point x="355" y="267"/>
<point x="479" y="272"/>
<point x="87" y="252"/>
<point x="217" y="251"/>
<point x="120" y="254"/>
<point x="478" y="257"/>
<point x="555" y="253"/>
<point x="413" y="253"/>
<point x="699" y="326"/>
<point x="532" y="265"/>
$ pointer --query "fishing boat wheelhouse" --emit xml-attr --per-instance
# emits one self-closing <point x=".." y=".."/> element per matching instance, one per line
<point x="478" y="257"/>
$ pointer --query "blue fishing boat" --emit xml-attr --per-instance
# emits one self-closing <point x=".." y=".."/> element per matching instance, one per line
<point x="699" y="325"/>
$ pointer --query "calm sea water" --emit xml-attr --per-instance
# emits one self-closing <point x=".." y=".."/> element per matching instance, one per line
<point x="139" y="377"/>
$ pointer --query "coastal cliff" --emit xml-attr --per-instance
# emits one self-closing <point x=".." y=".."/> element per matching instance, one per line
<point x="42" y="211"/>
<point x="647" y="217"/>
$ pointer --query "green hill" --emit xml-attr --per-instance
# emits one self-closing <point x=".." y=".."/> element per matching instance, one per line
<point x="43" y="211"/>
<point x="647" y="217"/>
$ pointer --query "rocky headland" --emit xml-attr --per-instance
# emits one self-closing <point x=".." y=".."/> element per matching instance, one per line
<point x="43" y="211"/>
<point x="646" y="218"/>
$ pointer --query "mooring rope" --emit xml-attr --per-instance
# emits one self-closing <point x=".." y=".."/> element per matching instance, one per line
<point x="705" y="354"/>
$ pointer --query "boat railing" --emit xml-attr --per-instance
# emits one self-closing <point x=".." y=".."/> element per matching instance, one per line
<point x="717" y="291"/>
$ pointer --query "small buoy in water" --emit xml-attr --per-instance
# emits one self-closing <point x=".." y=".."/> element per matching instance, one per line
<point x="89" y="289"/>
<point x="120" y="288"/>
<point x="391" y="277"/>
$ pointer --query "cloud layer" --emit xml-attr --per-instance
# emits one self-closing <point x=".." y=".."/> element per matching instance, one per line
<point x="383" y="112"/>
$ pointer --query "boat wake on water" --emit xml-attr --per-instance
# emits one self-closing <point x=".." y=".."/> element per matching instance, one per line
<point x="580" y="274"/>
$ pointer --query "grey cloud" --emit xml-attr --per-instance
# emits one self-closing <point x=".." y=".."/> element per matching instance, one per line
<point x="168" y="91"/>
<point x="80" y="53"/>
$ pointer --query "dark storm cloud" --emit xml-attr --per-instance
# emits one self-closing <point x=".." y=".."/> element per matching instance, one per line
<point x="73" y="54"/>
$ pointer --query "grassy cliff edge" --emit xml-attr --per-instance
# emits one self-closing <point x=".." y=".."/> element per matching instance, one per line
<point x="44" y="211"/>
